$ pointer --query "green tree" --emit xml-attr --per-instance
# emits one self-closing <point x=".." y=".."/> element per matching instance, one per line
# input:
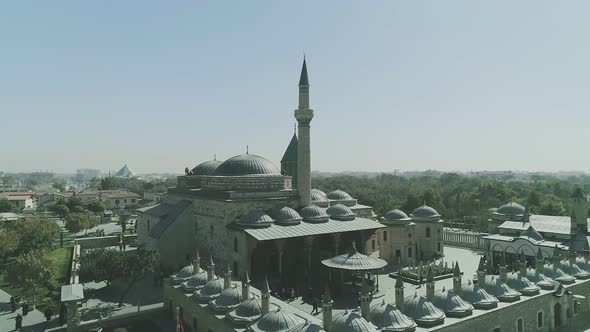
<point x="101" y="265"/>
<point x="31" y="270"/>
<point x="6" y="206"/>
<point x="78" y="221"/>
<point x="61" y="185"/>
<point x="8" y="244"/>
<point x="108" y="265"/>
<point x="96" y="206"/>
<point x="37" y="234"/>
<point x="136" y="265"/>
<point x="61" y="210"/>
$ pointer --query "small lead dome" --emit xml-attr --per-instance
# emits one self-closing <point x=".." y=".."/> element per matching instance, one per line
<point x="206" y="168"/>
<point x="314" y="213"/>
<point x="287" y="216"/>
<point x="340" y="212"/>
<point x="396" y="215"/>
<point x="339" y="195"/>
<point x="352" y="322"/>
<point x="277" y="321"/>
<point x="386" y="317"/>
<point x="511" y="209"/>
<point x="319" y="192"/>
<point x="255" y="218"/>
<point x="425" y="211"/>
<point x="228" y="299"/>
<point x="211" y="290"/>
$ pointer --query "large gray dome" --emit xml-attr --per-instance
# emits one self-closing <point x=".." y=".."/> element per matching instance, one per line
<point x="246" y="164"/>
<point x="314" y="213"/>
<point x="277" y="321"/>
<point x="511" y="209"/>
<point x="206" y="168"/>
<point x="287" y="216"/>
<point x="340" y="212"/>
<point x="351" y="321"/>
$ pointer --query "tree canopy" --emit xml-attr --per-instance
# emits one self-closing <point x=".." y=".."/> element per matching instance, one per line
<point x="6" y="206"/>
<point x="33" y="234"/>
<point x="78" y="221"/>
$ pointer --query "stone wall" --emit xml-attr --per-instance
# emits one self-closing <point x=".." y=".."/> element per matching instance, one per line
<point x="463" y="238"/>
<point x="505" y="317"/>
<point x="104" y="241"/>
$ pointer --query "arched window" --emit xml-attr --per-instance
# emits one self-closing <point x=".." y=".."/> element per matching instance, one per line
<point x="235" y="244"/>
<point x="427" y="232"/>
<point x="385" y="236"/>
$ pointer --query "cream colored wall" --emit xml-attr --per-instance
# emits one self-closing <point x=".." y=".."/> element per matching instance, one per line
<point x="428" y="246"/>
<point x="398" y="239"/>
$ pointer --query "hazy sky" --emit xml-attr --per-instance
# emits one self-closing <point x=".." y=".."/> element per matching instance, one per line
<point x="412" y="85"/>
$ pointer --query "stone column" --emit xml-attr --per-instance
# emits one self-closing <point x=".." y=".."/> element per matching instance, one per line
<point x="280" y="245"/>
<point x="336" y="243"/>
<point x="327" y="310"/>
<point x="307" y="248"/>
<point x="73" y="316"/>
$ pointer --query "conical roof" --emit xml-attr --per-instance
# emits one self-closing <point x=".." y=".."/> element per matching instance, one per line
<point x="354" y="261"/>
<point x="124" y="172"/>
<point x="303" y="80"/>
<point x="290" y="154"/>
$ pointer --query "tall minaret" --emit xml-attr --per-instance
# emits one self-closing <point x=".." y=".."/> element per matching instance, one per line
<point x="303" y="115"/>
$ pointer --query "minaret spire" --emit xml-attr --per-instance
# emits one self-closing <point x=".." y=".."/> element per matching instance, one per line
<point x="304" y="115"/>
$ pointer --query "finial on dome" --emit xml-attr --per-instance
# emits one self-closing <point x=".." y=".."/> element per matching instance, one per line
<point x="247" y="149"/>
<point x="215" y="157"/>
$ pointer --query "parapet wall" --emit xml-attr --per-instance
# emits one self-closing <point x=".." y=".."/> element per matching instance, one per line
<point x="104" y="241"/>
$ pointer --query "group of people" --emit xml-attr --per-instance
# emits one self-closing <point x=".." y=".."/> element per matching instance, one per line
<point x="48" y="313"/>
<point x="100" y="232"/>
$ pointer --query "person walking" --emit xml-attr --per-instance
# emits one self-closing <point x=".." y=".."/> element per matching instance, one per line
<point x="315" y="307"/>
<point x="12" y="304"/>
<point x="25" y="309"/>
<point x="18" y="322"/>
<point x="48" y="313"/>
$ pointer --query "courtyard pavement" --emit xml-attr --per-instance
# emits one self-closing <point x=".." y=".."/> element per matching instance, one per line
<point x="34" y="321"/>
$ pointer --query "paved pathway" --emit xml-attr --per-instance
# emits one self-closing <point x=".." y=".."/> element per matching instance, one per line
<point x="34" y="321"/>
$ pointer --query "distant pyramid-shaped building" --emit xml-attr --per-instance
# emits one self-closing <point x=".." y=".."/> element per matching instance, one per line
<point x="124" y="172"/>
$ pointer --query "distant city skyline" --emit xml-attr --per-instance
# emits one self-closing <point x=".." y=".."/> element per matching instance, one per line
<point x="452" y="85"/>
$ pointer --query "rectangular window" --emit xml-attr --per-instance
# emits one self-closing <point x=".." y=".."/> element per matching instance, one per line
<point x="410" y="252"/>
<point x="116" y="201"/>
<point x="235" y="269"/>
<point x="539" y="319"/>
<point x="438" y="246"/>
<point x="519" y="325"/>
<point x="428" y="232"/>
<point x="133" y="200"/>
<point x="385" y="236"/>
<point x="124" y="201"/>
<point x="195" y="324"/>
<point x="373" y="244"/>
<point x="398" y="253"/>
<point x="149" y="225"/>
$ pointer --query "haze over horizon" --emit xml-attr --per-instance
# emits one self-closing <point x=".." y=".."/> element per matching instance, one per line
<point x="452" y="85"/>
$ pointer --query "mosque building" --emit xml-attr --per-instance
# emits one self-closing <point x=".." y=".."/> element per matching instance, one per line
<point x="250" y="215"/>
<point x="266" y="229"/>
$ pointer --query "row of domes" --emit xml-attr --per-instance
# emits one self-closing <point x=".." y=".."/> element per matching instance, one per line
<point x="423" y="212"/>
<point x="287" y="216"/>
<point x="244" y="164"/>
